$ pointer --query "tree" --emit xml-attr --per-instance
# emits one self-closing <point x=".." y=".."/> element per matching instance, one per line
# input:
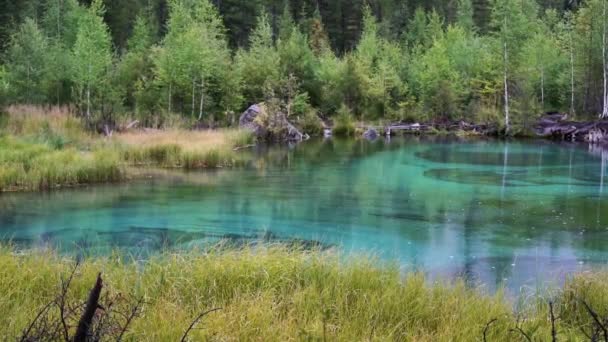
<point x="193" y="59"/>
<point x="135" y="66"/>
<point x="512" y="21"/>
<point x="25" y="62"/>
<point x="259" y="66"/>
<point x="92" y="54"/>
<point x="465" y="15"/>
<point x="604" y="62"/>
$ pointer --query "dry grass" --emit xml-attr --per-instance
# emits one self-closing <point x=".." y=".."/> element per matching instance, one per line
<point x="188" y="141"/>
<point x="184" y="149"/>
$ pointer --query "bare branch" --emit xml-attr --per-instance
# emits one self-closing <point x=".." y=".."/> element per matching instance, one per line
<point x="487" y="327"/>
<point x="597" y="320"/>
<point x="198" y="318"/>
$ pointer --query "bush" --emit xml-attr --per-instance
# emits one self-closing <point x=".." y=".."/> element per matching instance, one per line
<point x="344" y="124"/>
<point x="311" y="124"/>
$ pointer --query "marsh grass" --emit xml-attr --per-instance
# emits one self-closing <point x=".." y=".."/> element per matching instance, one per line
<point x="281" y="294"/>
<point x="32" y="166"/>
<point x="48" y="148"/>
<point x="183" y="149"/>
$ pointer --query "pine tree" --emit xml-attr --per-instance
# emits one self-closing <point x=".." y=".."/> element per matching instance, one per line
<point x="26" y="63"/>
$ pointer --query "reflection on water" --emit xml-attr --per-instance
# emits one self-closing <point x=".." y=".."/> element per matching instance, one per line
<point x="498" y="212"/>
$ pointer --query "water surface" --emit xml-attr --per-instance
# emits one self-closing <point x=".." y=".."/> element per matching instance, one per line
<point x="518" y="213"/>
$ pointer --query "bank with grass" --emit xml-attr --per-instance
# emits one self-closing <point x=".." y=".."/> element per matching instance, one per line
<point x="280" y="294"/>
<point x="43" y="149"/>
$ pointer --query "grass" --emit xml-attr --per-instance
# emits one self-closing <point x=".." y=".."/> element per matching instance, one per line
<point x="48" y="148"/>
<point x="280" y="294"/>
<point x="185" y="149"/>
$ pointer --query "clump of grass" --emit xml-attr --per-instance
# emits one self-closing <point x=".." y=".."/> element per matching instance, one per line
<point x="278" y="294"/>
<point x="54" y="126"/>
<point x="185" y="149"/>
<point x="32" y="166"/>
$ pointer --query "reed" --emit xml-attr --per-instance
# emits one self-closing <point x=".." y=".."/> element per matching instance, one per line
<point x="282" y="294"/>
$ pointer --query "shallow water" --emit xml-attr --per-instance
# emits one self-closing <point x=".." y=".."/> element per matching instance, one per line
<point x="513" y="213"/>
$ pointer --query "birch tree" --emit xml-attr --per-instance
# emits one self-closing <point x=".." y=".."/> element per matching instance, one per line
<point x="604" y="63"/>
<point x="92" y="55"/>
<point x="512" y="21"/>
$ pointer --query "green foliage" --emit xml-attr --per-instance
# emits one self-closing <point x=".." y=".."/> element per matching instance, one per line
<point x="25" y="63"/>
<point x="259" y="66"/>
<point x="344" y="125"/>
<point x="386" y="59"/>
<point x="311" y="124"/>
<point x="92" y="57"/>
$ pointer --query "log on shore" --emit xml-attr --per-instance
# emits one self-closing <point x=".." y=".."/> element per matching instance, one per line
<point x="557" y="126"/>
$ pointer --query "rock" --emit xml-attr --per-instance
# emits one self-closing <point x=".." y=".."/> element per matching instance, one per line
<point x="371" y="134"/>
<point x="327" y="133"/>
<point x="278" y="128"/>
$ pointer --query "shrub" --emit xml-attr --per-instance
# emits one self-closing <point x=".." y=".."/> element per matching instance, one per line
<point x="344" y="124"/>
<point x="311" y="124"/>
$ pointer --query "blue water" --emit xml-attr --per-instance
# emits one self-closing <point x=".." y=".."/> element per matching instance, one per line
<point x="514" y="213"/>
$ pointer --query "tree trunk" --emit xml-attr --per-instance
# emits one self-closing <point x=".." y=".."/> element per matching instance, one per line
<point x="506" y="60"/>
<point x="542" y="88"/>
<point x="605" y="99"/>
<point x="200" y="109"/>
<point x="88" y="101"/>
<point x="193" y="96"/>
<point x="170" y="96"/>
<point x="571" y="73"/>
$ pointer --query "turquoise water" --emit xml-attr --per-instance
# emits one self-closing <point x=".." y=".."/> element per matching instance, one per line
<point x="516" y="213"/>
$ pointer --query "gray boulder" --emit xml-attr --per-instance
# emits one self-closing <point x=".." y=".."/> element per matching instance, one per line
<point x="273" y="127"/>
<point x="371" y="134"/>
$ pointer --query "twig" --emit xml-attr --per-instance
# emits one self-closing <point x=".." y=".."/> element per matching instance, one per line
<point x="198" y="318"/>
<point x="485" y="330"/>
<point x="65" y="286"/>
<point x="89" y="312"/>
<point x="28" y="330"/>
<point x="132" y="315"/>
<point x="523" y="333"/>
<point x="597" y="320"/>
<point x="243" y="147"/>
<point x="553" y="330"/>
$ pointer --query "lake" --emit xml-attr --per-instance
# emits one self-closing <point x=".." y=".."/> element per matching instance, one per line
<point x="517" y="213"/>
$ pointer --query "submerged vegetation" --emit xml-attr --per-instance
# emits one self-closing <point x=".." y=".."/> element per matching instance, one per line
<point x="46" y="149"/>
<point x="277" y="294"/>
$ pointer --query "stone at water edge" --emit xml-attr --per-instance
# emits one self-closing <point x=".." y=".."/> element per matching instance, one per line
<point x="248" y="121"/>
<point x="371" y="134"/>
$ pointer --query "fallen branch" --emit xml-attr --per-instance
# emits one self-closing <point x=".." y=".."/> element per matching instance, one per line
<point x="243" y="147"/>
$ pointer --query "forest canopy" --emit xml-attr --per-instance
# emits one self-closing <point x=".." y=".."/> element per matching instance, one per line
<point x="499" y="61"/>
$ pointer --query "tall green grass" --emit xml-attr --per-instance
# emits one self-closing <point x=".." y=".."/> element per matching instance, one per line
<point x="34" y="166"/>
<point x="280" y="294"/>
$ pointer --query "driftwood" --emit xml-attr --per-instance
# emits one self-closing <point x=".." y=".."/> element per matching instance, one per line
<point x="556" y="126"/>
<point x="442" y="125"/>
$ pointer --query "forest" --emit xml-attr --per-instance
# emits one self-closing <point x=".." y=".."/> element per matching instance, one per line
<point x="484" y="61"/>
